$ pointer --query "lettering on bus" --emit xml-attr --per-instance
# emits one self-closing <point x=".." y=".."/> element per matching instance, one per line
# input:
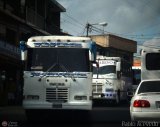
<point x="58" y="74"/>
<point x="106" y="62"/>
<point x="56" y="44"/>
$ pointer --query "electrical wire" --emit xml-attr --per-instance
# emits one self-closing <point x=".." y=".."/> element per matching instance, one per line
<point x="138" y="37"/>
<point x="75" y="20"/>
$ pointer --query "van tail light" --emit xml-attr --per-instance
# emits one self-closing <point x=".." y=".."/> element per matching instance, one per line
<point x="141" y="103"/>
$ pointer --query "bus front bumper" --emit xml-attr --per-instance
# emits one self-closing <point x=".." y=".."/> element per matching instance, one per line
<point x="47" y="105"/>
<point x="107" y="96"/>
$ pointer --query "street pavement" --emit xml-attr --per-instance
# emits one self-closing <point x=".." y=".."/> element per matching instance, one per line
<point x="100" y="115"/>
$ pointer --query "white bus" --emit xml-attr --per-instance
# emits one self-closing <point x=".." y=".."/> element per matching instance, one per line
<point x="111" y="79"/>
<point x="150" y="63"/>
<point x="57" y="72"/>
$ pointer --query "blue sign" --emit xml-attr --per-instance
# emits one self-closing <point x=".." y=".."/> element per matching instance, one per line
<point x="56" y="44"/>
<point x="59" y="74"/>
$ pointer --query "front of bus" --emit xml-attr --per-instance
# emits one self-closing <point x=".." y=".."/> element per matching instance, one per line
<point x="58" y="73"/>
<point x="105" y="83"/>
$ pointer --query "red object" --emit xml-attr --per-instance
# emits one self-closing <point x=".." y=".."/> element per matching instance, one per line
<point x="141" y="103"/>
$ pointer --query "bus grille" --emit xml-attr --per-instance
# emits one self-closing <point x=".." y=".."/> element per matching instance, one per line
<point x="59" y="95"/>
<point x="97" y="88"/>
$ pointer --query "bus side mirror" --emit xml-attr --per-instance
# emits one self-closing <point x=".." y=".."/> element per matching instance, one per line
<point x="91" y="57"/>
<point x="118" y="66"/>
<point x="97" y="64"/>
<point x="93" y="52"/>
<point x="23" y="48"/>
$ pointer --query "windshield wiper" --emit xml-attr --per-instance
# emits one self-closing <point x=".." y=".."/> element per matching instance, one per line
<point x="51" y="67"/>
<point x="64" y="68"/>
<point x="61" y="66"/>
<point x="67" y="70"/>
<point x="47" y="71"/>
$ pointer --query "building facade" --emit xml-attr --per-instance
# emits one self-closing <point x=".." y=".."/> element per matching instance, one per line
<point x="19" y="20"/>
<point x="115" y="46"/>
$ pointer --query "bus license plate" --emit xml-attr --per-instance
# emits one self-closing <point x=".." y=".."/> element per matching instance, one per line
<point x="56" y="105"/>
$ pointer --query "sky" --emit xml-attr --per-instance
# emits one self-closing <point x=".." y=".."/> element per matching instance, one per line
<point x="137" y="20"/>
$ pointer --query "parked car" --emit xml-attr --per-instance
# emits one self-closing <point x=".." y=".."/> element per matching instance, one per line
<point x="145" y="103"/>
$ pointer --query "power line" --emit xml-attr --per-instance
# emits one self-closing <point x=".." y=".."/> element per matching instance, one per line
<point x="152" y="17"/>
<point x="75" y="30"/>
<point x="95" y="29"/>
<point x="82" y="33"/>
<point x="65" y="20"/>
<point x="138" y="37"/>
<point x="75" y="20"/>
<point x="149" y="46"/>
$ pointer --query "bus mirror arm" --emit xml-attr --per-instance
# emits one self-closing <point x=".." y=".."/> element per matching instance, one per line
<point x="23" y="48"/>
<point x="97" y="64"/>
<point x="94" y="62"/>
<point x="119" y="74"/>
<point x="118" y="66"/>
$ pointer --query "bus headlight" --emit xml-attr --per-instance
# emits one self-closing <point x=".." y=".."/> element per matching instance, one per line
<point x="32" y="97"/>
<point x="79" y="97"/>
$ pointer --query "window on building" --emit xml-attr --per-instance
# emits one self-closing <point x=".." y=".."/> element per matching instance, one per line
<point x="11" y="36"/>
<point x="2" y="31"/>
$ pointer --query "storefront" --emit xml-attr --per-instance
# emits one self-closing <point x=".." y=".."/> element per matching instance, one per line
<point x="10" y="74"/>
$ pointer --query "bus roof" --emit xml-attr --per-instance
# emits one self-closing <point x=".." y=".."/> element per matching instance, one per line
<point x="149" y="50"/>
<point x="59" y="42"/>
<point x="58" y="38"/>
<point x="100" y="57"/>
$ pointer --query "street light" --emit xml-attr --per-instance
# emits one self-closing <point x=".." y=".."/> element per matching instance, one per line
<point x="89" y="26"/>
<point x="101" y="23"/>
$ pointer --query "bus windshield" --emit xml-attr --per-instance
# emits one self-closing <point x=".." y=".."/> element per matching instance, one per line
<point x="107" y="69"/>
<point x="58" y="59"/>
<point x="104" y="70"/>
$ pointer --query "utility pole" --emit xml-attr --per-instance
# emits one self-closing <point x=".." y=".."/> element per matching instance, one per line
<point x="88" y="27"/>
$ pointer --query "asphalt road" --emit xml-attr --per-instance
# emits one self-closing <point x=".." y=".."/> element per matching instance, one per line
<point x="101" y="115"/>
